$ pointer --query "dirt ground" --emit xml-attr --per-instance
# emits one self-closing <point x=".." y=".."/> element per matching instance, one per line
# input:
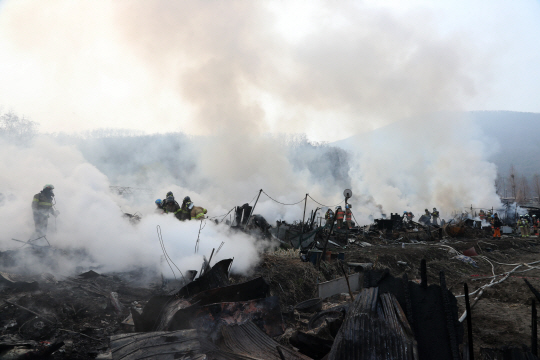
<point x="502" y="315"/>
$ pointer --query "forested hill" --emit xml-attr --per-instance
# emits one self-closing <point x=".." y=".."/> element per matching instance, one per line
<point x="515" y="137"/>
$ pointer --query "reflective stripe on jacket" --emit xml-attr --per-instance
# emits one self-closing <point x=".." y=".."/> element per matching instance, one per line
<point x="340" y="214"/>
<point x="41" y="202"/>
<point x="348" y="215"/>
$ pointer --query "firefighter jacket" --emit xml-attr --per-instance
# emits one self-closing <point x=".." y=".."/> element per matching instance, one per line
<point x="339" y="214"/>
<point x="435" y="214"/>
<point x="42" y="203"/>
<point x="186" y="207"/>
<point x="348" y="214"/>
<point x="521" y="223"/>
<point x="329" y="215"/>
<point x="171" y="206"/>
<point x="497" y="223"/>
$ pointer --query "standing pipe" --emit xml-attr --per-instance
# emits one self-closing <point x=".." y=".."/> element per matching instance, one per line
<point x="326" y="243"/>
<point x="469" y="321"/>
<point x="303" y="224"/>
<point x="534" y="330"/>
<point x="253" y="209"/>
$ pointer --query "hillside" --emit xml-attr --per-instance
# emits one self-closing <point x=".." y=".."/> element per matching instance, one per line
<point x="512" y="136"/>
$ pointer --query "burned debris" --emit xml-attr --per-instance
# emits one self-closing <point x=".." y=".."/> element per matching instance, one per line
<point x="326" y="291"/>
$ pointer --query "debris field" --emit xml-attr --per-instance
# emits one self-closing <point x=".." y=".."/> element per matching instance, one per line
<point x="372" y="294"/>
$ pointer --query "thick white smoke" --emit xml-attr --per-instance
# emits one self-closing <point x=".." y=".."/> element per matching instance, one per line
<point x="91" y="217"/>
<point x="228" y="77"/>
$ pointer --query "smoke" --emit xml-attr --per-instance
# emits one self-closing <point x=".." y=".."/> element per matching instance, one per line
<point x="91" y="218"/>
<point x="225" y="84"/>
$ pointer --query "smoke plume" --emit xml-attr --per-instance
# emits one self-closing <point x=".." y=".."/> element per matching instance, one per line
<point x="218" y="89"/>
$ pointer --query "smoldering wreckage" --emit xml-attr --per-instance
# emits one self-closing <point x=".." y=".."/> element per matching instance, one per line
<point x="393" y="289"/>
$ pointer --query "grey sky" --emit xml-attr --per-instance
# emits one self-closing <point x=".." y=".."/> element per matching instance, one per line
<point x="256" y="67"/>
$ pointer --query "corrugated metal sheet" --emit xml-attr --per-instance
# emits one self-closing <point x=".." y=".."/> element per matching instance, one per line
<point x="509" y="353"/>
<point x="247" y="341"/>
<point x="257" y="288"/>
<point x="374" y="329"/>
<point x="208" y="319"/>
<point x="217" y="276"/>
<point x="163" y="345"/>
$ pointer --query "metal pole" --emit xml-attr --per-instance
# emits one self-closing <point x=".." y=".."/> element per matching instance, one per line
<point x="304" y="217"/>
<point x="253" y="209"/>
<point x="326" y="243"/>
<point x="469" y="321"/>
<point x="303" y="224"/>
<point x="534" y="328"/>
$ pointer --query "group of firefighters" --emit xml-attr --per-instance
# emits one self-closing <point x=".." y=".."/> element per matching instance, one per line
<point x="43" y="202"/>
<point x="524" y="224"/>
<point x="170" y="206"/>
<point x="340" y="215"/>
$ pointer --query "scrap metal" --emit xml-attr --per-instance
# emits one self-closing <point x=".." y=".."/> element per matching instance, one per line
<point x="163" y="345"/>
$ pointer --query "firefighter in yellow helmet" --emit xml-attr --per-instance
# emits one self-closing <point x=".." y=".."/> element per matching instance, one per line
<point x="42" y="207"/>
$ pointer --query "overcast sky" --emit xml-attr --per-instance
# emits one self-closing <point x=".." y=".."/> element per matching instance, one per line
<point x="323" y="68"/>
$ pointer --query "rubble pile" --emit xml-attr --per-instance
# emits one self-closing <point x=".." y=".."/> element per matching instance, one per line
<point x="357" y="293"/>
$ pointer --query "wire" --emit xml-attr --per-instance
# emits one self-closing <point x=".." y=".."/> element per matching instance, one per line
<point x="213" y="217"/>
<point x="220" y="246"/>
<point x="198" y="236"/>
<point x="323" y="204"/>
<point x="158" y="229"/>
<point x="160" y="237"/>
<point x="252" y="200"/>
<point x="279" y="202"/>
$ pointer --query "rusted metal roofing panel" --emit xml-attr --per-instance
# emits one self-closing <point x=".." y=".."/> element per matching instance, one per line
<point x="163" y="345"/>
<point x="374" y="329"/>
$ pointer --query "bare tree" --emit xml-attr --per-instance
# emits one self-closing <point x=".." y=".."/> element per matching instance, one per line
<point x="523" y="189"/>
<point x="500" y="185"/>
<point x="536" y="186"/>
<point x="17" y="129"/>
<point x="512" y="181"/>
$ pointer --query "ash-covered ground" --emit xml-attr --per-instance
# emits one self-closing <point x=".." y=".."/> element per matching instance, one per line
<point x="82" y="311"/>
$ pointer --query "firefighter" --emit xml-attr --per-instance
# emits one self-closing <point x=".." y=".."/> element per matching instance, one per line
<point x="527" y="225"/>
<point x="339" y="217"/>
<point x="186" y="207"/>
<point x="159" y="206"/>
<point x="497" y="223"/>
<point x="410" y="216"/>
<point x="521" y="225"/>
<point x="489" y="216"/>
<point x="348" y="215"/>
<point x="435" y="215"/>
<point x="42" y="207"/>
<point x="427" y="214"/>
<point x="329" y="217"/>
<point x="482" y="215"/>
<point x="535" y="224"/>
<point x="170" y="206"/>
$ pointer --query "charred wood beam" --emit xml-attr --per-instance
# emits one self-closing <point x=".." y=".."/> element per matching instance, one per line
<point x="408" y="302"/>
<point x="449" y="318"/>
<point x="423" y="273"/>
